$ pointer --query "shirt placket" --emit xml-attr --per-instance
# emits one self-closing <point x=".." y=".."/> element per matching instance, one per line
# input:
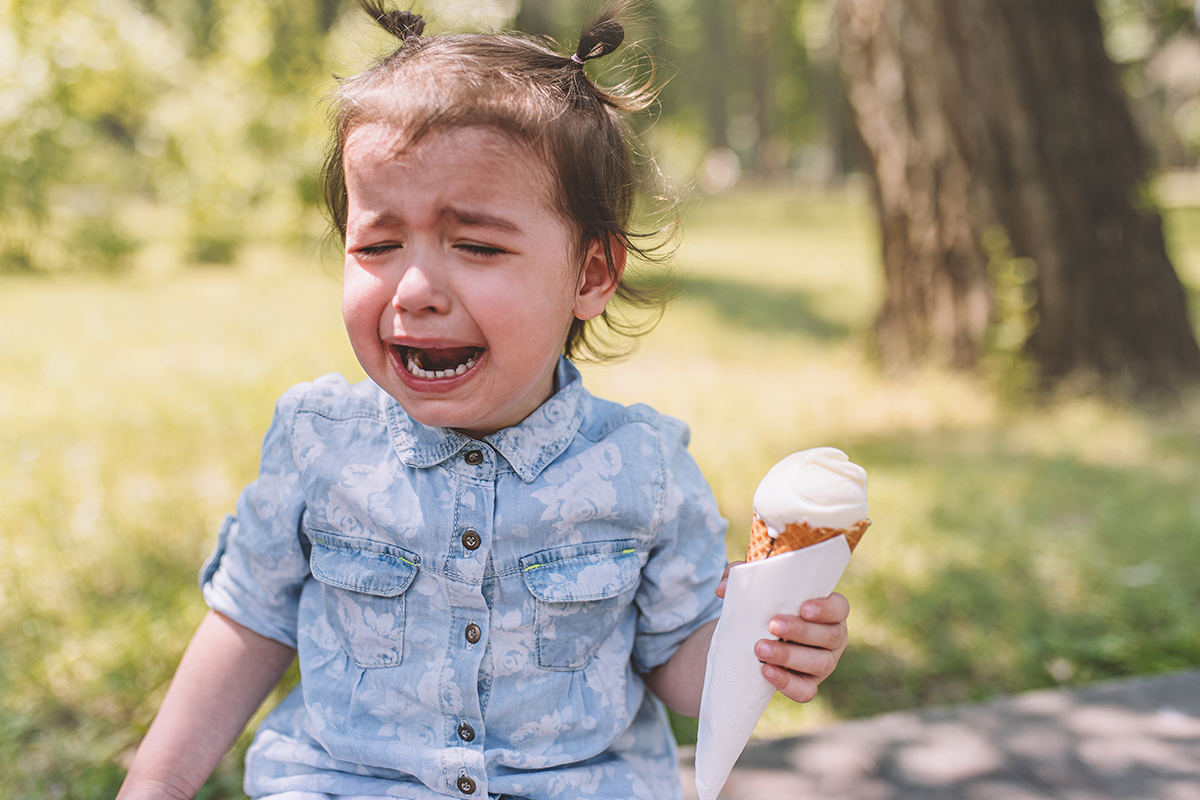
<point x="471" y="540"/>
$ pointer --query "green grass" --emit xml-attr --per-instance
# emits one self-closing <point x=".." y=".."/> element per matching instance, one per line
<point x="1013" y="546"/>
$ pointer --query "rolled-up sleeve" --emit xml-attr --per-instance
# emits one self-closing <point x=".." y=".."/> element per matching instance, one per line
<point x="255" y="573"/>
<point x="677" y="591"/>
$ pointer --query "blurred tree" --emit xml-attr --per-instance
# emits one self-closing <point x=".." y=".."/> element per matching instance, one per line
<point x="745" y="76"/>
<point x="210" y="109"/>
<point x="207" y="106"/>
<point x="536" y="17"/>
<point x="1157" y="45"/>
<point x="712" y="68"/>
<point x="999" y="128"/>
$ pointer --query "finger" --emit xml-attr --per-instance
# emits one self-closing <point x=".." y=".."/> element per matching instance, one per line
<point x="813" y="634"/>
<point x="801" y="688"/>
<point x="725" y="580"/>
<point x="832" y="609"/>
<point x="814" y="662"/>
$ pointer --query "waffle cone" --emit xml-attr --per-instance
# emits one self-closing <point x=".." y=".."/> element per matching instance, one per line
<point x="796" y="536"/>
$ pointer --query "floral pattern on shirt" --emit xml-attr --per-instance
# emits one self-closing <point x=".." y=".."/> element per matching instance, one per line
<point x="469" y="615"/>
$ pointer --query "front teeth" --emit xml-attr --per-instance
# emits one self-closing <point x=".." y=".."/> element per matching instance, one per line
<point x="417" y="370"/>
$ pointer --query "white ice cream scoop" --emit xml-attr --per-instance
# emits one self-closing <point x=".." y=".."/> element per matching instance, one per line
<point x="821" y="487"/>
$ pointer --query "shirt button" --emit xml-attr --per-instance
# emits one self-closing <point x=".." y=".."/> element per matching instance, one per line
<point x="466" y="785"/>
<point x="473" y="633"/>
<point x="467" y="734"/>
<point x="474" y="457"/>
<point x="471" y="540"/>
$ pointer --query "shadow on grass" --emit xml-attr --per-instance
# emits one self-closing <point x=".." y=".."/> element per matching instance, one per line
<point x="763" y="308"/>
<point x="1020" y="572"/>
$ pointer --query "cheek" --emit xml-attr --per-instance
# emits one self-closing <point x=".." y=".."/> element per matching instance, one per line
<point x="362" y="303"/>
<point x="533" y="315"/>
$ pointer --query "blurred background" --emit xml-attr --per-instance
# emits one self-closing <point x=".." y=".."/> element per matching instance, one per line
<point x="205" y="116"/>
<point x="959" y="240"/>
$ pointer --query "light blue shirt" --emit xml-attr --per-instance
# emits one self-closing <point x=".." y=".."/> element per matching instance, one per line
<point x="471" y="616"/>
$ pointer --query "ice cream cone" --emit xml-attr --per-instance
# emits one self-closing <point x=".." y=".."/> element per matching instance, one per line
<point x="796" y="536"/>
<point x="817" y="501"/>
<point x="735" y="691"/>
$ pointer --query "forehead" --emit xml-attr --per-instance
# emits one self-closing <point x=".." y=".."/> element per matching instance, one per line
<point x="486" y="156"/>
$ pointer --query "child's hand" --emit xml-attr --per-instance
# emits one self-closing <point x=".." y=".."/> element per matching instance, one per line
<point x="808" y="648"/>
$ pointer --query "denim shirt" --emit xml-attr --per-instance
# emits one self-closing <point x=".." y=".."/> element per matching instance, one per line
<point x="470" y="616"/>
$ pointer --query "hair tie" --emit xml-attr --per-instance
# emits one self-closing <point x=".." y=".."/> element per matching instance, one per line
<point x="575" y="57"/>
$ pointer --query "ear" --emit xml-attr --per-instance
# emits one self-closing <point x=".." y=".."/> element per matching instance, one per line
<point x="598" y="283"/>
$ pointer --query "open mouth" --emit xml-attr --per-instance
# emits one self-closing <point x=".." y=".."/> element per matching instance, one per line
<point x="433" y="364"/>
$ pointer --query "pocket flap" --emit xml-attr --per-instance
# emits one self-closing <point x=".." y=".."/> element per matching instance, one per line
<point x="369" y="567"/>
<point x="582" y="572"/>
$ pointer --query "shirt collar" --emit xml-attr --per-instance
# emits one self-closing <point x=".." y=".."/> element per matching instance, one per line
<point x="529" y="447"/>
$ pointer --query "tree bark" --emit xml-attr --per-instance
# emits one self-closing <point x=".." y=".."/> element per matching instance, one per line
<point x="986" y="116"/>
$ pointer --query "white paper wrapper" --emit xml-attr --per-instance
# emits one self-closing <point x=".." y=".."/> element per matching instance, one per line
<point x="735" y="692"/>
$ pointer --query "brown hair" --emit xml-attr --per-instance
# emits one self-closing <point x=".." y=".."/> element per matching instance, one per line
<point x="538" y="97"/>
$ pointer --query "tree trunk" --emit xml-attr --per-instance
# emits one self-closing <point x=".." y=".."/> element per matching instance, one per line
<point x="715" y="21"/>
<point x="756" y="19"/>
<point x="1007" y="116"/>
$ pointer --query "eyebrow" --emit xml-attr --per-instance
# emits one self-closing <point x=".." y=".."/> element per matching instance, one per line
<point x="476" y="219"/>
<point x="372" y="220"/>
<point x="480" y="219"/>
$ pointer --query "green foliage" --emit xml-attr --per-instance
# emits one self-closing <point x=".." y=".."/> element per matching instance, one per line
<point x="214" y="108"/>
<point x="209" y="107"/>
<point x="1134" y="28"/>
<point x="1014" y="299"/>
<point x="1155" y="43"/>
<point x="1182" y="233"/>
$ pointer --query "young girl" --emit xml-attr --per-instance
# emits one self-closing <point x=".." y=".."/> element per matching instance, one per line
<point x="491" y="577"/>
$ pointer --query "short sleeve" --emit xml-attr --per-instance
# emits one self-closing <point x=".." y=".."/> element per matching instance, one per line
<point x="259" y="565"/>
<point x="677" y="592"/>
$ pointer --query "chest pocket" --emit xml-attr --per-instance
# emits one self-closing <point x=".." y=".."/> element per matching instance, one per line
<point x="363" y="585"/>
<point x="581" y="592"/>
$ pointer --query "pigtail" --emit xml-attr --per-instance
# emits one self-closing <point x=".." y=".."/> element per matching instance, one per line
<point x="401" y="24"/>
<point x="600" y="38"/>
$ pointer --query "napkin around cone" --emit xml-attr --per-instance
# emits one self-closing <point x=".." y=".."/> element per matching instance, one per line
<point x="735" y="692"/>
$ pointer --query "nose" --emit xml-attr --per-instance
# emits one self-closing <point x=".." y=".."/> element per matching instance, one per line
<point x="420" y="291"/>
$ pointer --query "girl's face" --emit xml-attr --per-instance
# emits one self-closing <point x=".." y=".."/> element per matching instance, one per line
<point x="461" y="282"/>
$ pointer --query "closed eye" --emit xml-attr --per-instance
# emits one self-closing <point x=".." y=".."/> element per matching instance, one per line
<point x="481" y="250"/>
<point x="377" y="249"/>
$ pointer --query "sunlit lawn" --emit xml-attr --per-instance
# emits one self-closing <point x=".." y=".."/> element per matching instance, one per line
<point x="1013" y="546"/>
